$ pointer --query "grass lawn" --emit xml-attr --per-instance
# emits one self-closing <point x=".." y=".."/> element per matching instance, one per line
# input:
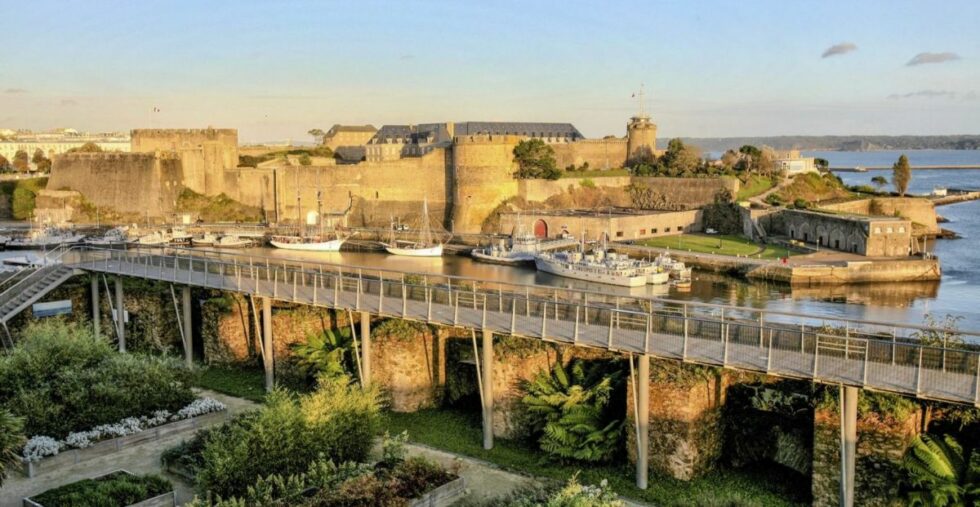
<point x="721" y="244"/>
<point x="755" y="186"/>
<point x="595" y="173"/>
<point x="460" y="433"/>
<point x="248" y="383"/>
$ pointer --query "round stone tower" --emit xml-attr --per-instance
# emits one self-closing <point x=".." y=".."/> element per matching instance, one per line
<point x="483" y="175"/>
<point x="641" y="138"/>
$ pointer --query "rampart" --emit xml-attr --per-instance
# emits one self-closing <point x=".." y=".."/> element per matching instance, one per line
<point x="205" y="153"/>
<point x="127" y="182"/>
<point x="920" y="211"/>
<point x="483" y="172"/>
<point x="597" y="153"/>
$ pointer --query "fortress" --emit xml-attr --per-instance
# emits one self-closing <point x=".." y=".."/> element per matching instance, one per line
<point x="465" y="170"/>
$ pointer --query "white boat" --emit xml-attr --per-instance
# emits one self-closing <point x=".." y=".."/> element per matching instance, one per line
<point x="45" y="237"/>
<point x="117" y="236"/>
<point x="180" y="236"/>
<point x="319" y="242"/>
<point x="522" y="248"/>
<point x="232" y="242"/>
<point x="587" y="267"/>
<point x="425" y="246"/>
<point x="676" y="268"/>
<point x="206" y="239"/>
<point x="154" y="239"/>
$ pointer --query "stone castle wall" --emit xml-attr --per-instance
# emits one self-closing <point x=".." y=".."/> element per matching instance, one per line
<point x="920" y="211"/>
<point x="598" y="153"/>
<point x="127" y="182"/>
<point x="483" y="172"/>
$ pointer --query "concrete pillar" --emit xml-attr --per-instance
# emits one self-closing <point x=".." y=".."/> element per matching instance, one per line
<point x="643" y="421"/>
<point x="94" y="278"/>
<point x="267" y="344"/>
<point x="366" y="349"/>
<point x="185" y="293"/>
<point x="848" y="442"/>
<point x="487" y="372"/>
<point x="120" y="315"/>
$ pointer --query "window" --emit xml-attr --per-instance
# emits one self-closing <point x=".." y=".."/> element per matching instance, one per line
<point x="680" y="228"/>
<point x="890" y="230"/>
<point x="901" y="229"/>
<point x="643" y="232"/>
<point x="666" y="229"/>
<point x="653" y="231"/>
<point x="619" y="234"/>
<point x="877" y="230"/>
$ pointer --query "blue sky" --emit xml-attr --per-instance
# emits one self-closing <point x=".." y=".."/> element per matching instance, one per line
<point x="276" y="69"/>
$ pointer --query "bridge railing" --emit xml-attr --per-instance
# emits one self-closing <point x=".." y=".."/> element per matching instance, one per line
<point x="927" y="362"/>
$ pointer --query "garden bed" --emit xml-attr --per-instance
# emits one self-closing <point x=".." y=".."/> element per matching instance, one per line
<point x="120" y="486"/>
<point x="113" y="445"/>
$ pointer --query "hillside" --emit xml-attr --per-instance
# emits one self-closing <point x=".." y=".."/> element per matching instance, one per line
<point x="841" y="143"/>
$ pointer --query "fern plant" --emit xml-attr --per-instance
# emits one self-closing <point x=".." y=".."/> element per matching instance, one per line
<point x="569" y="408"/>
<point x="941" y="474"/>
<point x="327" y="353"/>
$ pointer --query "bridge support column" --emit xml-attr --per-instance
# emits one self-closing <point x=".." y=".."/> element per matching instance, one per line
<point x="185" y="293"/>
<point x="95" y="303"/>
<point x="267" y="358"/>
<point x="643" y="422"/>
<point x="120" y="315"/>
<point x="848" y="443"/>
<point x="487" y="373"/>
<point x="366" y="349"/>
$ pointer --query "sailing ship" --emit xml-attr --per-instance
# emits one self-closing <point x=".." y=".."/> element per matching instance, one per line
<point x="320" y="242"/>
<point x="427" y="244"/>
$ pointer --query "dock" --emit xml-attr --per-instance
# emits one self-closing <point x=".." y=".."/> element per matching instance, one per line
<point x="861" y="169"/>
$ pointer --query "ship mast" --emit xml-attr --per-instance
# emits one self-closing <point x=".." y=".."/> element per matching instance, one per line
<point x="425" y="235"/>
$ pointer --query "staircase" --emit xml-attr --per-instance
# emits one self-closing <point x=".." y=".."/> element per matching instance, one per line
<point x="30" y="289"/>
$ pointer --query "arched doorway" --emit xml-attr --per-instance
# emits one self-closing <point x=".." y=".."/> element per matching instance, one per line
<point x="540" y="229"/>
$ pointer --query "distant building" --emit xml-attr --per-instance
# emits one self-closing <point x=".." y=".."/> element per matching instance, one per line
<point x="873" y="236"/>
<point x="618" y="224"/>
<point x="59" y="141"/>
<point x="348" y="135"/>
<point x="793" y="163"/>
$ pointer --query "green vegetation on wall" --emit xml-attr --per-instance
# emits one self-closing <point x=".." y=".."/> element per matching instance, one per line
<point x="17" y="197"/>
<point x="219" y="208"/>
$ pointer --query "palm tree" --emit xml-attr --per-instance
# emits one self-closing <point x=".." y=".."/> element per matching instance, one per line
<point x="569" y="407"/>
<point x="11" y="440"/>
<point x="940" y="474"/>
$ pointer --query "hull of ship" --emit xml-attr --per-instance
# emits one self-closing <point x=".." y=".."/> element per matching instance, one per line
<point x="432" y="251"/>
<point x="556" y="268"/>
<point x="320" y="246"/>
<point x="513" y="260"/>
<point x="241" y="244"/>
<point x="658" y="278"/>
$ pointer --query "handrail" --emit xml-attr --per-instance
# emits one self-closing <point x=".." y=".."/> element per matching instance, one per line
<point x="652" y="299"/>
<point x="11" y="292"/>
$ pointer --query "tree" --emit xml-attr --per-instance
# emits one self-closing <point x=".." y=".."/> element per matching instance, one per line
<point x="5" y="165"/>
<point x="317" y="135"/>
<point x="570" y="408"/>
<point x="879" y="182"/>
<point x="11" y="441"/>
<point x="681" y="159"/>
<point x="901" y="175"/>
<point x="941" y="473"/>
<point x="305" y="159"/>
<point x="21" y="161"/>
<point x="535" y="159"/>
<point x="821" y="163"/>
<point x="88" y="147"/>
<point x="41" y="163"/>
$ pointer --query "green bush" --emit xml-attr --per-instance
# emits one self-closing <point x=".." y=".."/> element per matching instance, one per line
<point x="60" y="379"/>
<point x="338" y="421"/>
<point x="11" y="440"/>
<point x="115" y="489"/>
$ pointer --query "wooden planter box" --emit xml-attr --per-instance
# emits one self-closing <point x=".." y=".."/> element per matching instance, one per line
<point x="443" y="496"/>
<point x="168" y="499"/>
<point x="104" y="447"/>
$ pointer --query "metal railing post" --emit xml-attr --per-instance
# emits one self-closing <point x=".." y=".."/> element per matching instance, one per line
<point x="455" y="309"/>
<point x="768" y="352"/>
<point x="295" y="274"/>
<point x="316" y="280"/>
<point x="609" y="338"/>
<point x="404" y="299"/>
<point x="544" y="321"/>
<point x="918" y="374"/>
<point x="686" y="322"/>
<point x="381" y="292"/>
<point x="484" y="323"/>
<point x="428" y="298"/>
<point x="205" y="271"/>
<point x="275" y="282"/>
<point x="513" y="317"/>
<point x="357" y="292"/>
<point x="575" y="330"/>
<point x="646" y="336"/>
<point x="816" y="354"/>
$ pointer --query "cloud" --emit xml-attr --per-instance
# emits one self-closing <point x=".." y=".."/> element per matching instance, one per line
<point x="839" y="49"/>
<point x="934" y="94"/>
<point x="14" y="90"/>
<point x="68" y="102"/>
<point x="922" y="58"/>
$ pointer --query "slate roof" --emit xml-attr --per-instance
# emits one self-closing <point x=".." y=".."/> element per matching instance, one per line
<point x="529" y="129"/>
<point x="424" y="133"/>
<point x="351" y="128"/>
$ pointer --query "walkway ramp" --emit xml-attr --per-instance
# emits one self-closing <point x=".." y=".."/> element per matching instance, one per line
<point x="32" y="288"/>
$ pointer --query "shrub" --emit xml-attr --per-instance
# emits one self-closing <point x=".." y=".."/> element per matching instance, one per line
<point x="571" y="410"/>
<point x="11" y="440"/>
<point x="940" y="472"/>
<point x="117" y="488"/>
<point x="60" y="379"/>
<point x="338" y="421"/>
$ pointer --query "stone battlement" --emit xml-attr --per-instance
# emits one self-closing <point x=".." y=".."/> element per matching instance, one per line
<point x="107" y="156"/>
<point x="183" y="132"/>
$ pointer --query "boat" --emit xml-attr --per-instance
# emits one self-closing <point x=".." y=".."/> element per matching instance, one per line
<point x="157" y="238"/>
<point x="45" y="237"/>
<point x="117" y="236"/>
<point x="231" y="241"/>
<point x="425" y="246"/>
<point x="589" y="267"/>
<point x="319" y="242"/>
<point x="206" y="239"/>
<point x="939" y="191"/>
<point x="677" y="269"/>
<point x="180" y="236"/>
<point x="522" y="249"/>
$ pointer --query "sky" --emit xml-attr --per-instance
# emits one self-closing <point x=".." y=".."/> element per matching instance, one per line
<point x="276" y="69"/>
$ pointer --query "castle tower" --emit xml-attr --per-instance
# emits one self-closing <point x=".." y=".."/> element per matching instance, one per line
<point x="641" y="133"/>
